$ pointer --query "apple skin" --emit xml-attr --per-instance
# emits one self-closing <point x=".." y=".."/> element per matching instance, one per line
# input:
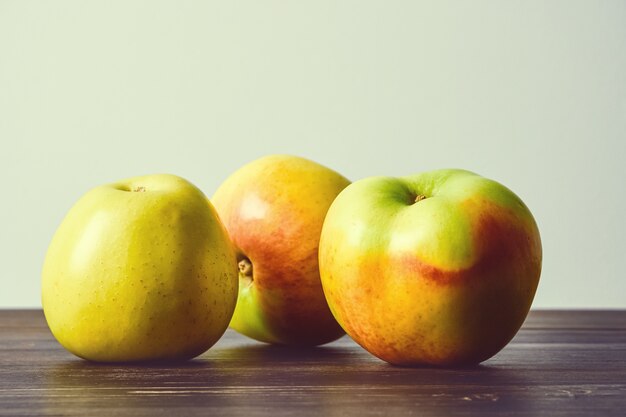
<point x="438" y="268"/>
<point x="273" y="209"/>
<point x="140" y="270"/>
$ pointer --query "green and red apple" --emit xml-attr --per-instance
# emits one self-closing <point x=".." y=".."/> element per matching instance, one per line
<point x="140" y="270"/>
<point x="273" y="209"/>
<point x="438" y="268"/>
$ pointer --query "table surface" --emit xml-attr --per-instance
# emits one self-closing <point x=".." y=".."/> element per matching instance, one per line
<point x="570" y="363"/>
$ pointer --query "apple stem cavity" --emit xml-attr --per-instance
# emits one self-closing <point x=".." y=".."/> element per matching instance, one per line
<point x="245" y="269"/>
<point x="137" y="189"/>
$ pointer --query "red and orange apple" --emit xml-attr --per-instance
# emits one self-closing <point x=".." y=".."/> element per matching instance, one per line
<point x="273" y="209"/>
<point x="437" y="268"/>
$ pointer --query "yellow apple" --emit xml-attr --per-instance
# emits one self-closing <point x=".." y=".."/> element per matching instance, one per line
<point x="274" y="209"/>
<point x="140" y="270"/>
<point x="438" y="268"/>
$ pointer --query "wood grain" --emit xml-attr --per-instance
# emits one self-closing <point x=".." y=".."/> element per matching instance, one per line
<point x="562" y="363"/>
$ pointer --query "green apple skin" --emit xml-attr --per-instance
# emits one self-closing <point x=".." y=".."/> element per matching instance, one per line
<point x="140" y="270"/>
<point x="438" y="268"/>
<point x="273" y="209"/>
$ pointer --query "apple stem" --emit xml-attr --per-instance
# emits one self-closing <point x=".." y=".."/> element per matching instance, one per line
<point x="245" y="267"/>
<point x="419" y="198"/>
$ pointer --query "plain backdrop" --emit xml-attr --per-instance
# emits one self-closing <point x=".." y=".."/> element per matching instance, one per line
<point x="529" y="93"/>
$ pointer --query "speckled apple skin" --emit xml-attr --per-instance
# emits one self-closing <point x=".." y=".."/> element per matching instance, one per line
<point x="140" y="270"/>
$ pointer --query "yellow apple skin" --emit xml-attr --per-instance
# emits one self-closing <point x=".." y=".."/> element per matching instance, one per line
<point x="438" y="268"/>
<point x="140" y="270"/>
<point x="273" y="209"/>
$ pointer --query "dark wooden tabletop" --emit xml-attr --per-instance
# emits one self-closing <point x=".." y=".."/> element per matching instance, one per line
<point x="562" y="363"/>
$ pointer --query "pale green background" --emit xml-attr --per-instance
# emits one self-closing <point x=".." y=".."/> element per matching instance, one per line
<point x="530" y="93"/>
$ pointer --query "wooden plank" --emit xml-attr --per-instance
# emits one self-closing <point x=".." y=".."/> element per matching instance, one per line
<point x="576" y="319"/>
<point x="562" y="363"/>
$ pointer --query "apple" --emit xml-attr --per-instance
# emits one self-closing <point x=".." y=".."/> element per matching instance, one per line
<point x="438" y="268"/>
<point x="140" y="270"/>
<point x="273" y="209"/>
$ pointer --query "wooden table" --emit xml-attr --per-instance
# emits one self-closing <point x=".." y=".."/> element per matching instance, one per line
<point x="562" y="363"/>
